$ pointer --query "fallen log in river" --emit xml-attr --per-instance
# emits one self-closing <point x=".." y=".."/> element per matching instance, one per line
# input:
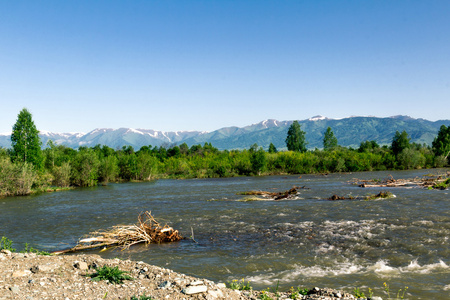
<point x="275" y="195"/>
<point x="147" y="230"/>
<point x="426" y="181"/>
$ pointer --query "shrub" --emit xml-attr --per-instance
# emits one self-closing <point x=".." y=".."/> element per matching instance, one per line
<point x="112" y="275"/>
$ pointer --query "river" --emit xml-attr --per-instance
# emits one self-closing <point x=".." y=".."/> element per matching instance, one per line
<point x="307" y="241"/>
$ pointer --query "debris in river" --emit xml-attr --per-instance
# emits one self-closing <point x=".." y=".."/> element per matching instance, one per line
<point x="147" y="230"/>
<point x="274" y="195"/>
<point x="427" y="181"/>
<point x="380" y="195"/>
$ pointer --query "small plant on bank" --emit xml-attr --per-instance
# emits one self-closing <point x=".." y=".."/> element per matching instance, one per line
<point x="401" y="293"/>
<point x="112" y="275"/>
<point x="386" y="289"/>
<point x="143" y="297"/>
<point x="294" y="294"/>
<point x="6" y="244"/>
<point x="265" y="296"/>
<point x="239" y="285"/>
<point x="32" y="250"/>
<point x="303" y="291"/>
<point x="275" y="290"/>
<point x="358" y="294"/>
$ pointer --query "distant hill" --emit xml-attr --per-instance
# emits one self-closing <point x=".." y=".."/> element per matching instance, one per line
<point x="349" y="132"/>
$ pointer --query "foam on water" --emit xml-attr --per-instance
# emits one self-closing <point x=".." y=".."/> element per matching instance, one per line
<point x="381" y="268"/>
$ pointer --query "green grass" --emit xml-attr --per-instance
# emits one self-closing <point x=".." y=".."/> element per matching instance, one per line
<point x="112" y="275"/>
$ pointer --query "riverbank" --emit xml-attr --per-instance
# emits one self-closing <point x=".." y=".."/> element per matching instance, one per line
<point x="31" y="276"/>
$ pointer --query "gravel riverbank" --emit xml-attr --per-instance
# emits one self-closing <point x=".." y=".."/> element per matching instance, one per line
<point x="31" y="276"/>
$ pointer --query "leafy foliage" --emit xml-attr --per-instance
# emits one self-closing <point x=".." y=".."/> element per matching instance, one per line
<point x="239" y="285"/>
<point x="6" y="244"/>
<point x="25" y="141"/>
<point x="329" y="140"/>
<point x="441" y="144"/>
<point x="400" y="142"/>
<point x="112" y="275"/>
<point x="272" y="148"/>
<point x="295" y="140"/>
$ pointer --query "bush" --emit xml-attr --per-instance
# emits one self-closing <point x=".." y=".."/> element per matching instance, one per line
<point x="112" y="275"/>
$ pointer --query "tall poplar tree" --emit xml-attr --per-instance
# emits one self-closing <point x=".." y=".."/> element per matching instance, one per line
<point x="25" y="141"/>
<point x="400" y="142"/>
<point x="441" y="143"/>
<point x="295" y="140"/>
<point x="329" y="140"/>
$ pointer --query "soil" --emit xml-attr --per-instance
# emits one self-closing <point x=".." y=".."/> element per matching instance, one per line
<point x="31" y="276"/>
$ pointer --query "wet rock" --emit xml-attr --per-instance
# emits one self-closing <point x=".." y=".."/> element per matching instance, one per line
<point x="196" y="289"/>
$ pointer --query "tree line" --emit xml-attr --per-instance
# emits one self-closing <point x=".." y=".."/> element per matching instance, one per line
<point x="26" y="167"/>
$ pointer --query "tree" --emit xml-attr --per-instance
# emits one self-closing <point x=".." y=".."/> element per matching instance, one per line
<point x="272" y="148"/>
<point x="85" y="168"/>
<point x="25" y="141"/>
<point x="295" y="140"/>
<point x="329" y="140"/>
<point x="368" y="146"/>
<point x="441" y="143"/>
<point x="400" y="142"/>
<point x="258" y="159"/>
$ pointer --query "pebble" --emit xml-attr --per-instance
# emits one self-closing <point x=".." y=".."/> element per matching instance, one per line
<point x="80" y="265"/>
<point x="21" y="273"/>
<point x="196" y="289"/>
<point x="221" y="285"/>
<point x="165" y="285"/>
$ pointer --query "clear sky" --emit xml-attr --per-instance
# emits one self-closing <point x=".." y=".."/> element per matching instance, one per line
<point x="202" y="65"/>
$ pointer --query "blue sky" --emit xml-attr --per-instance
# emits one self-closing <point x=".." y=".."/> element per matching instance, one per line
<point x="203" y="65"/>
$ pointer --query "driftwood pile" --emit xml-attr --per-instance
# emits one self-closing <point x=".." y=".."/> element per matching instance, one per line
<point x="275" y="195"/>
<point x="427" y="181"/>
<point x="147" y="230"/>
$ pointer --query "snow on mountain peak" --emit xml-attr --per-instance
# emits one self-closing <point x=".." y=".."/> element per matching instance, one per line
<point x="317" y="118"/>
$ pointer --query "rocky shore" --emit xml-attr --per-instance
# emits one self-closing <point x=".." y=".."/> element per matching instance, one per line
<point x="31" y="276"/>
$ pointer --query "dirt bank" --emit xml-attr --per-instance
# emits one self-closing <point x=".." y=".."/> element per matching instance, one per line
<point x="31" y="276"/>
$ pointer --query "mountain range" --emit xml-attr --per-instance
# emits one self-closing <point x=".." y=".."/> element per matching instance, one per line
<point x="349" y="131"/>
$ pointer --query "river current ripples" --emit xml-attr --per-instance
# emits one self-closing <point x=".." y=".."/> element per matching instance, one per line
<point x="306" y="241"/>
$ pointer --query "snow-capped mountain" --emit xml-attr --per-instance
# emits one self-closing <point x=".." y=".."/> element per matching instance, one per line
<point x="349" y="132"/>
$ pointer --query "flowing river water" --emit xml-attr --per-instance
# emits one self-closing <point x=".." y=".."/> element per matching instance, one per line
<point x="307" y="241"/>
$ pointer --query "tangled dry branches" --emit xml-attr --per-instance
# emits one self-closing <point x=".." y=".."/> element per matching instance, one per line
<point x="147" y="230"/>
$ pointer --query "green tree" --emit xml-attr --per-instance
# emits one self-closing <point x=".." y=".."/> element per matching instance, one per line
<point x="400" y="142"/>
<point x="295" y="140"/>
<point x="258" y="159"/>
<point x="25" y="141"/>
<point x="85" y="168"/>
<point x="329" y="140"/>
<point x="272" y="148"/>
<point x="368" y="146"/>
<point x="108" y="169"/>
<point x="441" y="143"/>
